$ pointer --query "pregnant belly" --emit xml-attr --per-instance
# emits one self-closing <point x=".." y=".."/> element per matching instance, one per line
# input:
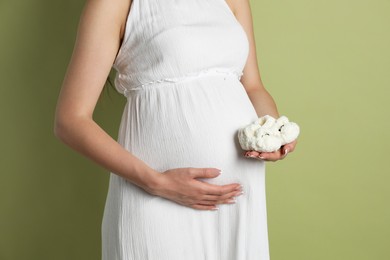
<point x="190" y="124"/>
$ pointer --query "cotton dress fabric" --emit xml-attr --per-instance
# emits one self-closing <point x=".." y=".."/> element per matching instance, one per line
<point x="179" y="68"/>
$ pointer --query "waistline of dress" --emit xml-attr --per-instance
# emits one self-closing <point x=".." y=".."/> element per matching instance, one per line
<point x="224" y="73"/>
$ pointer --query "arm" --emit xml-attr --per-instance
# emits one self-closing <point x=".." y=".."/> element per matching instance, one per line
<point x="98" y="39"/>
<point x="262" y="101"/>
<point x="100" y="30"/>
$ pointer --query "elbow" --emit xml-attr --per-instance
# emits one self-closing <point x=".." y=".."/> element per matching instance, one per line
<point x="68" y="123"/>
<point x="59" y="129"/>
<point x="62" y="127"/>
<point x="66" y="127"/>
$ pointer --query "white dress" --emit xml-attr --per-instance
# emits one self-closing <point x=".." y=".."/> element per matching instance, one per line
<point x="179" y="67"/>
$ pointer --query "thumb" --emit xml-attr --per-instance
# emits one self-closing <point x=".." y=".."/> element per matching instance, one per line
<point x="289" y="147"/>
<point x="205" y="172"/>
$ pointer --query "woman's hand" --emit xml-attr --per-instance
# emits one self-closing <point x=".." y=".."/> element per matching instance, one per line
<point x="181" y="186"/>
<point x="280" y="154"/>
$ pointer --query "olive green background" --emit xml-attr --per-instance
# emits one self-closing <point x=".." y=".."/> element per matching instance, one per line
<point x="327" y="65"/>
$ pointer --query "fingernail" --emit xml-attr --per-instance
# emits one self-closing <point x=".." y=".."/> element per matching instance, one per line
<point x="261" y="157"/>
<point x="231" y="201"/>
<point x="285" y="151"/>
<point x="216" y="208"/>
<point x="241" y="192"/>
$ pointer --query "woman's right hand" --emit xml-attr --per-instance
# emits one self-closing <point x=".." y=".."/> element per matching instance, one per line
<point x="181" y="186"/>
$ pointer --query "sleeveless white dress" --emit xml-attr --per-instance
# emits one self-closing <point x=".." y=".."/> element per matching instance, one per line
<point x="179" y="67"/>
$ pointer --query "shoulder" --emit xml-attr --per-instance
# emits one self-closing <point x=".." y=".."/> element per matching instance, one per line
<point x="237" y="6"/>
<point x="108" y="13"/>
<point x="231" y="4"/>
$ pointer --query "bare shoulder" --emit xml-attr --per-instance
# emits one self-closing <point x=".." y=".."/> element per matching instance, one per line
<point x="231" y="3"/>
<point x="109" y="12"/>
<point x="237" y="5"/>
<point x="100" y="31"/>
<point x="251" y="78"/>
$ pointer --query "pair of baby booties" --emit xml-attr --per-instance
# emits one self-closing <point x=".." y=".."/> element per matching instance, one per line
<point x="267" y="134"/>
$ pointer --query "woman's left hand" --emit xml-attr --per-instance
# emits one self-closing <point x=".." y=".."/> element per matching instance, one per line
<point x="272" y="156"/>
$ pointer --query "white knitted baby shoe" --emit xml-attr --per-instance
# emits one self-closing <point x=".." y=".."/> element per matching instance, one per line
<point x="267" y="134"/>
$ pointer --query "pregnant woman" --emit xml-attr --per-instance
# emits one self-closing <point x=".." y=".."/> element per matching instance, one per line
<point x="181" y="188"/>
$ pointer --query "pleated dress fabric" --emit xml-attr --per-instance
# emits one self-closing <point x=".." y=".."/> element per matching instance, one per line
<point x="179" y="67"/>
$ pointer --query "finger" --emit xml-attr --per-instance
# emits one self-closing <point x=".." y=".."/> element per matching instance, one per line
<point x="204" y="172"/>
<point x="284" y="150"/>
<point x="229" y="195"/>
<point x="204" y="207"/>
<point x="230" y="198"/>
<point x="252" y="153"/>
<point x="291" y="146"/>
<point x="274" y="156"/>
<point x="227" y="201"/>
<point x="207" y="202"/>
<point x="211" y="189"/>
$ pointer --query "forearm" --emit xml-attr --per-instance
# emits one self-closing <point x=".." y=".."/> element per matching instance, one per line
<point x="263" y="102"/>
<point x="89" y="139"/>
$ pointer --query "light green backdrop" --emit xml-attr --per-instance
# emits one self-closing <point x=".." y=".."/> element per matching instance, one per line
<point x="327" y="65"/>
